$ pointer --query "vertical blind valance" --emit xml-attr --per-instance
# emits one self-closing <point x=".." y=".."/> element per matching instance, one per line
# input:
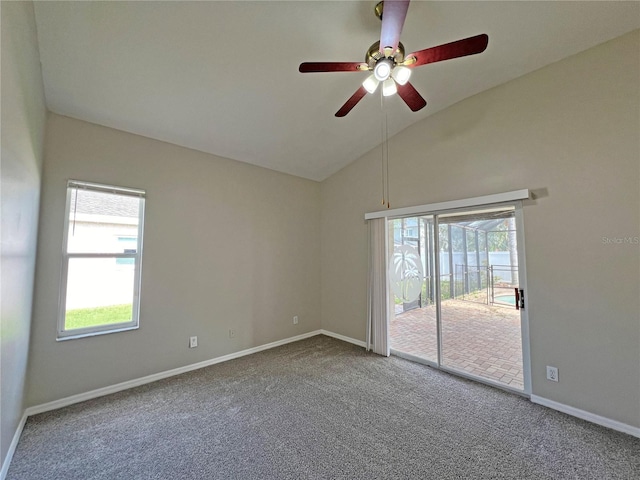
<point x="496" y="198"/>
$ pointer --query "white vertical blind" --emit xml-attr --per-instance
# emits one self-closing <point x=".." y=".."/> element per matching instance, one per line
<point x="378" y="295"/>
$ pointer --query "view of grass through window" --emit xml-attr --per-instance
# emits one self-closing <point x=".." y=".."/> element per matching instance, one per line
<point x="91" y="317"/>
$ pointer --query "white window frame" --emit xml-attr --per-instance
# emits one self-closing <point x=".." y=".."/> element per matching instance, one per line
<point x="64" y="334"/>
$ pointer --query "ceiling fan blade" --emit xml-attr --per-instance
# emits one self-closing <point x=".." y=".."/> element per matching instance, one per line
<point x="310" y="67"/>
<point x="411" y="97"/>
<point x="393" y="14"/>
<point x="349" y="104"/>
<point x="459" y="48"/>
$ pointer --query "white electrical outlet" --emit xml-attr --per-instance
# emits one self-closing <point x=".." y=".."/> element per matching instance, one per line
<point x="552" y="374"/>
<point x="232" y="332"/>
<point x="295" y="320"/>
<point x="193" y="342"/>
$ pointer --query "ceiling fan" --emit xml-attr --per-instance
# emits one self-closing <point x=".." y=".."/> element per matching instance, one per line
<point x="387" y="60"/>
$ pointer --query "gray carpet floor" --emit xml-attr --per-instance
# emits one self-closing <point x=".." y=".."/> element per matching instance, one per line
<point x="318" y="409"/>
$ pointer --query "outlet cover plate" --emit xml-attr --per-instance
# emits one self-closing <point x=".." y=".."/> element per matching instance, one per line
<point x="193" y="342"/>
<point x="552" y="373"/>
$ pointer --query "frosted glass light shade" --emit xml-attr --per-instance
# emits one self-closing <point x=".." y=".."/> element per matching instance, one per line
<point x="382" y="70"/>
<point x="370" y="84"/>
<point x="401" y="75"/>
<point x="389" y="87"/>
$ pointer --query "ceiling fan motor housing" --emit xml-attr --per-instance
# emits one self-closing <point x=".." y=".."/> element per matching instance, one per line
<point x="373" y="55"/>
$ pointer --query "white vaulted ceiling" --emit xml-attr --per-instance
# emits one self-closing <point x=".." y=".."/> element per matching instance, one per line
<point x="222" y="77"/>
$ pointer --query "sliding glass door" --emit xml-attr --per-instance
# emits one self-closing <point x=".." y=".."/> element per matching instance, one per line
<point x="459" y="308"/>
<point x="481" y="331"/>
<point x="413" y="324"/>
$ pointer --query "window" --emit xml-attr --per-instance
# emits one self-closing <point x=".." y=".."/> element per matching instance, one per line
<point x="102" y="256"/>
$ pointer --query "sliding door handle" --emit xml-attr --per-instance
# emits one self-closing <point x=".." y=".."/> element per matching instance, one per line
<point x="519" y="298"/>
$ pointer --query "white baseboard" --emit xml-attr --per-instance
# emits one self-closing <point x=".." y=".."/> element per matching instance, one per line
<point x="360" y="343"/>
<point x="100" y="392"/>
<point x="588" y="416"/>
<point x="12" y="447"/>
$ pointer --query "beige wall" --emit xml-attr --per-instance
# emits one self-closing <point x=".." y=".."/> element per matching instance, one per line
<point x="571" y="131"/>
<point x="226" y="245"/>
<point x="23" y="121"/>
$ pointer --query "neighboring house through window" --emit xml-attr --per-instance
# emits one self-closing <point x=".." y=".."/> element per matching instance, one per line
<point x="101" y="267"/>
<point x="128" y="245"/>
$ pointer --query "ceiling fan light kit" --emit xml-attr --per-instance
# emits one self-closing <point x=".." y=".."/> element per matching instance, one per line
<point x="386" y="59"/>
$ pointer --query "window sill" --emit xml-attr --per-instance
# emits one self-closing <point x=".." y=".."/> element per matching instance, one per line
<point x="69" y="336"/>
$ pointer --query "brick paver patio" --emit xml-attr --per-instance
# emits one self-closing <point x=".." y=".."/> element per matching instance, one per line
<point x="479" y="339"/>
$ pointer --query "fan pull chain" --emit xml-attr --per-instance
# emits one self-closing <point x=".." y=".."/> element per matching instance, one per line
<point x="382" y="176"/>
<point x="384" y="148"/>
<point x="386" y="136"/>
<point x="382" y="171"/>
